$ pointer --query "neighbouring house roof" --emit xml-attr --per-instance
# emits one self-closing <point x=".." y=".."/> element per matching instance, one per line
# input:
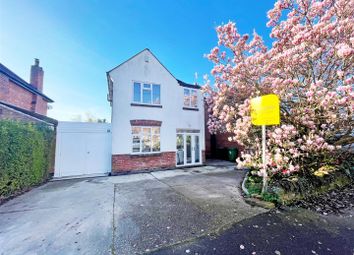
<point x="110" y="83"/>
<point x="32" y="114"/>
<point x="22" y="83"/>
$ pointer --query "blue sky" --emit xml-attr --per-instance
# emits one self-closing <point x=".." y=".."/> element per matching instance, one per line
<point x="78" y="41"/>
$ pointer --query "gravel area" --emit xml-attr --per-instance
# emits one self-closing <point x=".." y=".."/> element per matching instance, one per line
<point x="337" y="201"/>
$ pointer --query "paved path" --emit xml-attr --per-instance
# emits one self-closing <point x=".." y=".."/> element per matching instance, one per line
<point x="130" y="214"/>
<point x="191" y="211"/>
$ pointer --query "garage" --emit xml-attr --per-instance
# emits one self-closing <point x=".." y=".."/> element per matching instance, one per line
<point x="83" y="149"/>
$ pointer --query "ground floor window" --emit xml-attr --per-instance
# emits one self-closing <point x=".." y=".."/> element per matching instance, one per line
<point x="145" y="139"/>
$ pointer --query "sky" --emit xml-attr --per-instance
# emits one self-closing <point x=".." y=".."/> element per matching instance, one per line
<point x="78" y="41"/>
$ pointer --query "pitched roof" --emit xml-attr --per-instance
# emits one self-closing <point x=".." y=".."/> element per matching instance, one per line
<point x="181" y="83"/>
<point x="32" y="114"/>
<point x="22" y="83"/>
<point x="146" y="49"/>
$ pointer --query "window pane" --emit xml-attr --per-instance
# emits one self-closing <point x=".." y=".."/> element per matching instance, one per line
<point x="146" y="143"/>
<point x="136" y="143"/>
<point x="136" y="130"/>
<point x="147" y="86"/>
<point x="146" y="131"/>
<point x="155" y="143"/>
<point x="155" y="130"/>
<point x="146" y="96"/>
<point x="136" y="147"/>
<point x="194" y="98"/>
<point x="180" y="150"/>
<point x="196" y="147"/>
<point x="189" y="148"/>
<point x="156" y="94"/>
<point x="186" y="97"/>
<point x="136" y="139"/>
<point x="137" y="92"/>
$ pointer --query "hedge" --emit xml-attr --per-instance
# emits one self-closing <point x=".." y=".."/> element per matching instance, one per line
<point x="26" y="155"/>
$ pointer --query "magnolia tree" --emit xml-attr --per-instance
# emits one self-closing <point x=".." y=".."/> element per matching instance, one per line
<point x="310" y="66"/>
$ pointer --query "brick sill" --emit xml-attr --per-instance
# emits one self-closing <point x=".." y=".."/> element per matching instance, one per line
<point x="190" y="166"/>
<point x="190" y="109"/>
<point x="146" y="105"/>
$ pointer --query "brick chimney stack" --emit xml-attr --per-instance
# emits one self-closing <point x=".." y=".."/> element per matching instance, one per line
<point x="37" y="74"/>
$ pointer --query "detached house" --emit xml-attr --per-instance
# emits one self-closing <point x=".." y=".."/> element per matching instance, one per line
<point x="157" y="120"/>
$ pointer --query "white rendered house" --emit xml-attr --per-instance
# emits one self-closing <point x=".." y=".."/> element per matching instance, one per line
<point x="157" y="120"/>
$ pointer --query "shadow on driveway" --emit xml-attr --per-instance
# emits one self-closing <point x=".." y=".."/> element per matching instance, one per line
<point x="293" y="232"/>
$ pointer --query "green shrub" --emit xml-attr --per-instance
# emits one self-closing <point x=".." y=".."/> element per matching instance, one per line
<point x="254" y="184"/>
<point x="26" y="154"/>
<point x="271" y="197"/>
<point x="254" y="187"/>
<point x="287" y="189"/>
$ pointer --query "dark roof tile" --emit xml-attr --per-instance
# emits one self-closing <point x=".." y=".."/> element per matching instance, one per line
<point x="187" y="85"/>
<point x="19" y="81"/>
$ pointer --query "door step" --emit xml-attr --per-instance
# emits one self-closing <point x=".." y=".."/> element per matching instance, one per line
<point x="82" y="176"/>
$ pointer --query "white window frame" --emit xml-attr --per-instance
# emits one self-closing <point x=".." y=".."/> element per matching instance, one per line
<point x="190" y="98"/>
<point x="141" y="134"/>
<point x="141" y="92"/>
<point x="193" y="135"/>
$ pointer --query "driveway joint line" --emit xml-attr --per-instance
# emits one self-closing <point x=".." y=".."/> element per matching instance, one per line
<point x="113" y="249"/>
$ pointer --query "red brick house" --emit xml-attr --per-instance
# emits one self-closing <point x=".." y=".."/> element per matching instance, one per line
<point x="20" y="99"/>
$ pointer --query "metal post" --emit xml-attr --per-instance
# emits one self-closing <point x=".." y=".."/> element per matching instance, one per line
<point x="264" y="158"/>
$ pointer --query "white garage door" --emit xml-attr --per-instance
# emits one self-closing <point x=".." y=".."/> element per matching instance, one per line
<point x="83" y="148"/>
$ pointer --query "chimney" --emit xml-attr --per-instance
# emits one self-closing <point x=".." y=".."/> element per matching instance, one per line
<point x="37" y="74"/>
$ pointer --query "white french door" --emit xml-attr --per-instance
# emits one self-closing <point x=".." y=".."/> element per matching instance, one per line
<point x="188" y="149"/>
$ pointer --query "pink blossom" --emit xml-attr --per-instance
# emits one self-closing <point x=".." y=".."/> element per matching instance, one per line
<point x="340" y="74"/>
<point x="344" y="50"/>
<point x="309" y="66"/>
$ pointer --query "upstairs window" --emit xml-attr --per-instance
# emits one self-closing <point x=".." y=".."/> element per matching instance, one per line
<point x="190" y="98"/>
<point x="146" y="93"/>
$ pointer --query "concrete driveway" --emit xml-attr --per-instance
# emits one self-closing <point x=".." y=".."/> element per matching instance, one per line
<point x="131" y="214"/>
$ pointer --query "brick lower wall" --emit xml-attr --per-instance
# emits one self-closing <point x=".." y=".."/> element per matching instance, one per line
<point x="128" y="162"/>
